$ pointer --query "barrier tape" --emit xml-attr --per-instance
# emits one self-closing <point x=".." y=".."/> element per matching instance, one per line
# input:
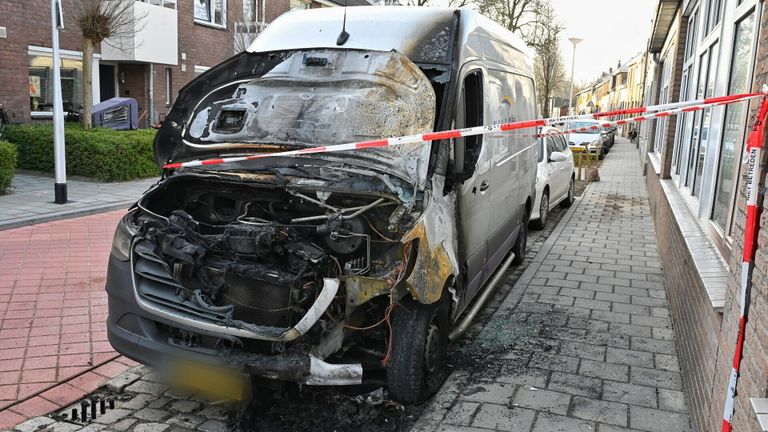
<point x="751" y="228"/>
<point x="677" y="107"/>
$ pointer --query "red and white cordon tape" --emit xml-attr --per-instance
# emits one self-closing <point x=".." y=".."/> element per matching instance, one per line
<point x="662" y="111"/>
<point x="751" y="228"/>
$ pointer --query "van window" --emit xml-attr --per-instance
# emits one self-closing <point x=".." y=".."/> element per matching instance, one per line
<point x="469" y="114"/>
<point x="512" y="99"/>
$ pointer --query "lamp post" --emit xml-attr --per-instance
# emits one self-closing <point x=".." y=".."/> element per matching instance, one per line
<point x="575" y="41"/>
<point x="60" y="184"/>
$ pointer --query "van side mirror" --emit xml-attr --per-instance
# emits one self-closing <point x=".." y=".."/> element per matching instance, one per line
<point x="557" y="157"/>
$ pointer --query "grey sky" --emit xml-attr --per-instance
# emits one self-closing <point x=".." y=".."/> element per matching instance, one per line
<point x="612" y="30"/>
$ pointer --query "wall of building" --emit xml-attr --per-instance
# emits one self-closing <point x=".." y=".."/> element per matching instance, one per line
<point x="706" y="338"/>
<point x="28" y="23"/>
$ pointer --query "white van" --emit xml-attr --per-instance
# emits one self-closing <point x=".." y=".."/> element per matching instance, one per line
<point x="316" y="268"/>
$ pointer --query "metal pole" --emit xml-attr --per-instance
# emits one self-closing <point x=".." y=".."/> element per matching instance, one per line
<point x="60" y="185"/>
<point x="575" y="42"/>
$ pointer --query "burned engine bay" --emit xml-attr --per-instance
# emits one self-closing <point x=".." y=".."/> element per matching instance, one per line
<point x="258" y="263"/>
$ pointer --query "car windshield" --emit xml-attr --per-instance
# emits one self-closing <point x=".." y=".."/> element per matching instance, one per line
<point x="579" y="125"/>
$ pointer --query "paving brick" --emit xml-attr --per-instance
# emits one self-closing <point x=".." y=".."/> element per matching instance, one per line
<point x="554" y="362"/>
<point x="514" y="374"/>
<point x="622" y="318"/>
<point x="667" y="362"/>
<point x="672" y="400"/>
<point x="213" y="426"/>
<point x="657" y="378"/>
<point x="557" y="423"/>
<point x="576" y="384"/>
<point x="599" y="411"/>
<point x="502" y="418"/>
<point x="629" y="357"/>
<point x="582" y="350"/>
<point x="632" y="394"/>
<point x="607" y="371"/>
<point x="631" y="330"/>
<point x="142" y="386"/>
<point x="35" y="424"/>
<point x="498" y="393"/>
<point x="654" y="420"/>
<point x="542" y="400"/>
<point x="461" y="414"/>
<point x="187" y="421"/>
<point x="653" y="345"/>
<point x="592" y="304"/>
<point x="151" y="427"/>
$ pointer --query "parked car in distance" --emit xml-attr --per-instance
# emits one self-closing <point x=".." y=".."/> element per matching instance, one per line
<point x="322" y="268"/>
<point x="589" y="135"/>
<point x="555" y="181"/>
<point x="609" y="135"/>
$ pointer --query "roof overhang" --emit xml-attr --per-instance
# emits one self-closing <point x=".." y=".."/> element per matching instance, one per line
<point x="665" y="16"/>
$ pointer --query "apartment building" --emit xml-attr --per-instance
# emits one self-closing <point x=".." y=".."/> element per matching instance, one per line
<point x="175" y="41"/>
<point x="696" y="181"/>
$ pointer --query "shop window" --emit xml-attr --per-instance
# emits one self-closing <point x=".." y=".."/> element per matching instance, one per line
<point x="213" y="12"/>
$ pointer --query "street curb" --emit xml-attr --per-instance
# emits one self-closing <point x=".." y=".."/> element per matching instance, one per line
<point x="67" y="214"/>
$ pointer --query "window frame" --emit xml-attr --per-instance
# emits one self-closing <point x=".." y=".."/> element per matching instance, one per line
<point x="211" y="13"/>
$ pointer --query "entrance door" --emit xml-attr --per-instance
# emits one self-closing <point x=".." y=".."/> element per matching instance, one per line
<point x="107" y="81"/>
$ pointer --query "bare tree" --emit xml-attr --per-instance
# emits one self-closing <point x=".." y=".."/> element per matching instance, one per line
<point x="515" y="15"/>
<point x="99" y="20"/>
<point x="548" y="65"/>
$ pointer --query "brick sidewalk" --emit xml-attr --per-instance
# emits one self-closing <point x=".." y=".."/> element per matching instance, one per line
<point x="31" y="199"/>
<point x="53" y="315"/>
<point x="584" y="341"/>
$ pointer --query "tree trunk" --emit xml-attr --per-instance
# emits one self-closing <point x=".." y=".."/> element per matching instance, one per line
<point x="87" y="82"/>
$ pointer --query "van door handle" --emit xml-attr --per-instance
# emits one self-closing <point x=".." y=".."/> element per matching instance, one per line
<point x="484" y="186"/>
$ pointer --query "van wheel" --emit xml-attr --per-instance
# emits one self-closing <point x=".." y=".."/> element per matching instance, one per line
<point x="419" y="342"/>
<point x="520" y="245"/>
<point x="541" y="222"/>
<point x="568" y="201"/>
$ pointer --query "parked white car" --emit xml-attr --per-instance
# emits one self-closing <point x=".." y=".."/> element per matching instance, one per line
<point x="555" y="181"/>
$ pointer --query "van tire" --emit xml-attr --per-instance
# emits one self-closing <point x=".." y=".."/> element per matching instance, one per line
<point x="416" y="367"/>
<point x="571" y="197"/>
<point x="520" y="245"/>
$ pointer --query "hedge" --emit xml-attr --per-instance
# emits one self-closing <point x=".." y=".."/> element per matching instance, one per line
<point x="102" y="154"/>
<point x="7" y="165"/>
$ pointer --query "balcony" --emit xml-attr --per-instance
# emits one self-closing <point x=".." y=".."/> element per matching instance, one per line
<point x="155" y="40"/>
<point x="246" y="33"/>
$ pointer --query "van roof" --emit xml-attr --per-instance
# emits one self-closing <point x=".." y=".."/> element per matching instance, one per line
<point x="424" y="34"/>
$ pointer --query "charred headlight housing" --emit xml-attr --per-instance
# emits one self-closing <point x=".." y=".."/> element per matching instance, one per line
<point x="121" y="242"/>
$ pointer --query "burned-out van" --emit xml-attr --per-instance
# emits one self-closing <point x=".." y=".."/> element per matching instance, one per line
<point x="321" y="268"/>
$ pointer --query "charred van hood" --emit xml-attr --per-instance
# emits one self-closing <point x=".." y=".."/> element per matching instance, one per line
<point x="256" y="103"/>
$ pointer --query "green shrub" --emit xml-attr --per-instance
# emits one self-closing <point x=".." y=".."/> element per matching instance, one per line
<point x="7" y="165"/>
<point x="102" y="154"/>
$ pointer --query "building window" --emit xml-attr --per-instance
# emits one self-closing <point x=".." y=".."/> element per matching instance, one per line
<point x="213" y="12"/>
<point x="299" y="4"/>
<point x="690" y="42"/>
<point x="705" y="122"/>
<point x="41" y="83"/>
<point x="735" y="124"/>
<point x="168" y="86"/>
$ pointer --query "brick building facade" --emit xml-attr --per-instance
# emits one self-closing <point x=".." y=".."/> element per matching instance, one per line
<point x="195" y="34"/>
<point x="696" y="185"/>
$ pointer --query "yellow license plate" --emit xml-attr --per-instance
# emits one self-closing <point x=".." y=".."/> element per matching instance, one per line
<point x="212" y="381"/>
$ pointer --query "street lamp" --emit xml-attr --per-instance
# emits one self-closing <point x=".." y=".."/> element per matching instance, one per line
<point x="575" y="41"/>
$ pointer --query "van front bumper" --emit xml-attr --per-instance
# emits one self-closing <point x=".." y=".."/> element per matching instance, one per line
<point x="136" y="334"/>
